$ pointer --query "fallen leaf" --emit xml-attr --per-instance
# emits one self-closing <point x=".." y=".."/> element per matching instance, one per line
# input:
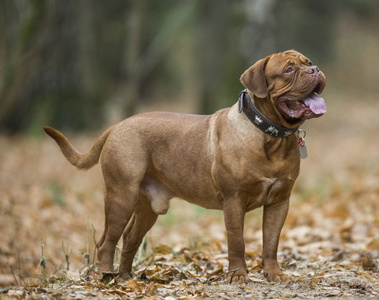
<point x="373" y="245"/>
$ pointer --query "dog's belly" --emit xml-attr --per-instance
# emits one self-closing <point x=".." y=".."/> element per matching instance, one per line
<point x="160" y="195"/>
<point x="265" y="191"/>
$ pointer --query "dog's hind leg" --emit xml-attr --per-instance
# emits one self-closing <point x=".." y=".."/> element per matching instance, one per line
<point x="119" y="208"/>
<point x="142" y="220"/>
<point x="102" y="239"/>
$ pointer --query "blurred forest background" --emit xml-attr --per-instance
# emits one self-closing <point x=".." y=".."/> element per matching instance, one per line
<point x="83" y="65"/>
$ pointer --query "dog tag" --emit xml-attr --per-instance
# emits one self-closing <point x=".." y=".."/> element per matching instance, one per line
<point x="303" y="149"/>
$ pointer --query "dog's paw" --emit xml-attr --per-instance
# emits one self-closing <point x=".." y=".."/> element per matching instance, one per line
<point x="240" y="277"/>
<point x="277" y="277"/>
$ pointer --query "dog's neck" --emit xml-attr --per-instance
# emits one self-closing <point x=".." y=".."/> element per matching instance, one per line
<point x="262" y="116"/>
<point x="264" y="106"/>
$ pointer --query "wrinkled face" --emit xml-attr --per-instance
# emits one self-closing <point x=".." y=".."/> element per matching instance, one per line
<point x="291" y="83"/>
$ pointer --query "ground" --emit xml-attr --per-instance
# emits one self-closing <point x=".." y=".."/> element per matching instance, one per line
<point x="51" y="214"/>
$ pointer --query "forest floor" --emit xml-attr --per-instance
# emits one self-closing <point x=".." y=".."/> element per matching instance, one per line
<point x="50" y="215"/>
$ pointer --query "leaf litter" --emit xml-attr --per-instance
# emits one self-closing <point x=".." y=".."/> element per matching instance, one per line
<point x="329" y="244"/>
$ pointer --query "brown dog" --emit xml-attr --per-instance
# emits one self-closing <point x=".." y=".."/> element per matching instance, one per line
<point x="235" y="160"/>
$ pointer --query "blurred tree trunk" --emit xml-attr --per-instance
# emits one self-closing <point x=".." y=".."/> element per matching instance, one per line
<point x="212" y="28"/>
<point x="88" y="42"/>
<point x="124" y="99"/>
<point x="258" y="38"/>
<point x="132" y="57"/>
<point x="21" y="58"/>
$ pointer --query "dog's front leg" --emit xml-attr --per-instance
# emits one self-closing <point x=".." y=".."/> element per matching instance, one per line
<point x="234" y="215"/>
<point x="273" y="220"/>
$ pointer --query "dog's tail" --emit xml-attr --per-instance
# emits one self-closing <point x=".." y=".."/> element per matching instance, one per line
<point x="81" y="161"/>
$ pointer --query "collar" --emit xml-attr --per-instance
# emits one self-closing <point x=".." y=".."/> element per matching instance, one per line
<point x="255" y="116"/>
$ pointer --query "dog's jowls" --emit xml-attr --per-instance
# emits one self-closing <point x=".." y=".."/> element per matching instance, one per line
<point x="221" y="161"/>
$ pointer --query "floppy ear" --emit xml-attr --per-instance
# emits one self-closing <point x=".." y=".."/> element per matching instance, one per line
<point x="254" y="78"/>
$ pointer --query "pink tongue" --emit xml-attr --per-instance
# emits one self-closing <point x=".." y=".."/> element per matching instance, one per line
<point x="316" y="104"/>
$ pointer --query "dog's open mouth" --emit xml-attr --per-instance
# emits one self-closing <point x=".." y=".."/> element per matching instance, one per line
<point x="312" y="106"/>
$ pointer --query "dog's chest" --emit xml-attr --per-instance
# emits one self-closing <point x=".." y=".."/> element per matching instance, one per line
<point x="266" y="183"/>
<point x="268" y="190"/>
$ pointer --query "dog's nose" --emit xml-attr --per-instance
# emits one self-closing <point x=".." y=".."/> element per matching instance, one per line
<point x="313" y="70"/>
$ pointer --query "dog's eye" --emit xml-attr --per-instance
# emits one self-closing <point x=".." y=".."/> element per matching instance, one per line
<point x="289" y="70"/>
<point x="310" y="63"/>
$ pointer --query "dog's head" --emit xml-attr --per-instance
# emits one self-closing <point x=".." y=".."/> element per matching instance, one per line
<point x="291" y="83"/>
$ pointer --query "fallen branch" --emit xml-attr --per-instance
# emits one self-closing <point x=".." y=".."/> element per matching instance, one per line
<point x="222" y="275"/>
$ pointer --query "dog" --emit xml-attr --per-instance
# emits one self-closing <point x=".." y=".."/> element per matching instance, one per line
<point x="235" y="160"/>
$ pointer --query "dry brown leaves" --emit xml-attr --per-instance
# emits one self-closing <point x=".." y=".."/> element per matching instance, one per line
<point x="330" y="242"/>
<point x="168" y="274"/>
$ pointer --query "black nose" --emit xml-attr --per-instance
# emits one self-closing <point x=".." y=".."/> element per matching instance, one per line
<point x="313" y="70"/>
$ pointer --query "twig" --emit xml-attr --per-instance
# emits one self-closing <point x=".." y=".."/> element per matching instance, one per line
<point x="43" y="262"/>
<point x="67" y="256"/>
<point x="222" y="275"/>
<point x="19" y="269"/>
<point x="95" y="248"/>
<point x="86" y="255"/>
<point x="13" y="274"/>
